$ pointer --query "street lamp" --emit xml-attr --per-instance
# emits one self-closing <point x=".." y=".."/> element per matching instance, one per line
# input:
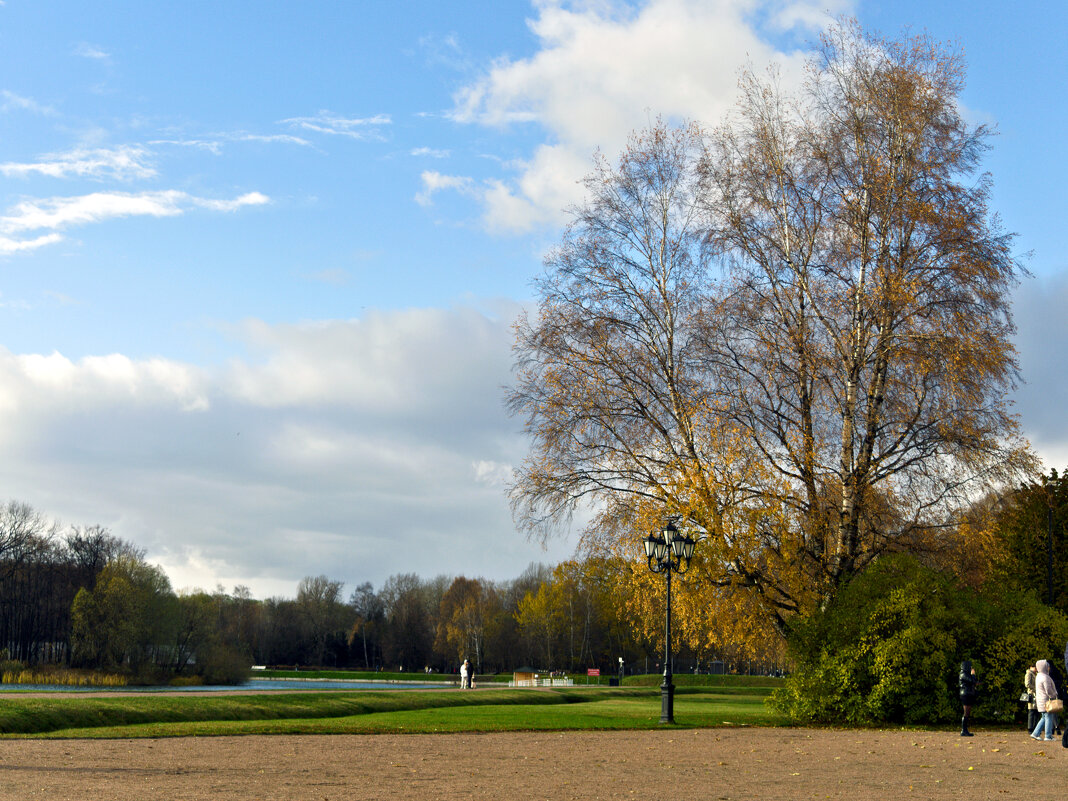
<point x="668" y="551"/>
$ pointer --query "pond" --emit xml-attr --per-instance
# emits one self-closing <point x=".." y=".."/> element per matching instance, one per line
<point x="254" y="684"/>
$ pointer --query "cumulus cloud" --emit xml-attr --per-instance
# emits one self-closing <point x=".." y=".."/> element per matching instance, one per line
<point x="123" y="163"/>
<point x="1039" y="306"/>
<point x="682" y="61"/>
<point x="408" y="361"/>
<point x="35" y="382"/>
<point x="547" y="185"/>
<point x="355" y="448"/>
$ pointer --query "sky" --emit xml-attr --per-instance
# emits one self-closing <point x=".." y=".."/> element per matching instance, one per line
<point x="259" y="261"/>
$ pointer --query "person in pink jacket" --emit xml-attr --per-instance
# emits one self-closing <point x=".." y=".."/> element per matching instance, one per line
<point x="1045" y="690"/>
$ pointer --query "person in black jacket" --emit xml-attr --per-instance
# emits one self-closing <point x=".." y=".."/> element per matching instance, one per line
<point x="968" y="681"/>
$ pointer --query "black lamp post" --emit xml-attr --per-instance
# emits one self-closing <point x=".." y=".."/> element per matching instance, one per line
<point x="668" y="551"/>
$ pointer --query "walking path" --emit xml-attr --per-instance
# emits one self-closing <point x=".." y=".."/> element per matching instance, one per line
<point x="736" y="763"/>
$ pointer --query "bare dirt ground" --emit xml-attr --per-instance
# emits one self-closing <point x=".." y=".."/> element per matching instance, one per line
<point x="739" y="763"/>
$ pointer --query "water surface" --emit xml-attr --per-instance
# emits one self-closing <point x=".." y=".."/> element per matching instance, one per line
<point x="253" y="684"/>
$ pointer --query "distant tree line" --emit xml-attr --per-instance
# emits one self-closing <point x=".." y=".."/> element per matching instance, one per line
<point x="84" y="598"/>
<point x="992" y="590"/>
<point x="570" y="617"/>
<point x="42" y="569"/>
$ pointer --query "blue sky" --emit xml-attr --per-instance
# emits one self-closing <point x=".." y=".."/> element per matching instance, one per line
<point x="259" y="261"/>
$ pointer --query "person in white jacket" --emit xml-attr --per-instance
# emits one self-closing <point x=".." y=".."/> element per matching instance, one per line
<point x="1045" y="691"/>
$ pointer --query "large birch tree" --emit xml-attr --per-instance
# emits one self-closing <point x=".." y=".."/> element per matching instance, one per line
<point x="792" y="332"/>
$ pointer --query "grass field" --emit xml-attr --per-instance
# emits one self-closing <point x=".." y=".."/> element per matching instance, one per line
<point x="378" y="711"/>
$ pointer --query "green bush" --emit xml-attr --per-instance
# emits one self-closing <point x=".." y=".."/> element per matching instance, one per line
<point x="888" y="648"/>
<point x="1034" y="631"/>
<point x="222" y="664"/>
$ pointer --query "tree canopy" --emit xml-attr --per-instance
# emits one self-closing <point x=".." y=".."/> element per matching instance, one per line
<point x="792" y="331"/>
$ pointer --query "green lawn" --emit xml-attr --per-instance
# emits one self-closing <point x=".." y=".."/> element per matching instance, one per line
<point x="377" y="711"/>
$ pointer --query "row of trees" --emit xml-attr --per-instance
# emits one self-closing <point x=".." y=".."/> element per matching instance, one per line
<point x="578" y="614"/>
<point x="82" y="597"/>
<point x="42" y="569"/>
<point x="994" y="591"/>
<point x="85" y="598"/>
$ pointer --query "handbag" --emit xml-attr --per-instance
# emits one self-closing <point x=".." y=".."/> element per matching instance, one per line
<point x="1025" y="698"/>
<point x="1055" y="705"/>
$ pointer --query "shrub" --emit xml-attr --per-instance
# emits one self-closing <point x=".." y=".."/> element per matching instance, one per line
<point x="222" y="664"/>
<point x="1033" y="631"/>
<point x="888" y="648"/>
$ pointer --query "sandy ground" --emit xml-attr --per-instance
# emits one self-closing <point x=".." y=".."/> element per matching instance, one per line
<point x="740" y="763"/>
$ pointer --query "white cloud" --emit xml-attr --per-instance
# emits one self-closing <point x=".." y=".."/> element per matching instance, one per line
<point x="785" y="15"/>
<point x="285" y="139"/>
<point x="216" y="141"/>
<point x="36" y="383"/>
<point x="90" y="51"/>
<point x="387" y="363"/>
<point x="434" y="182"/>
<point x="123" y="163"/>
<point x="445" y="52"/>
<point x="327" y="122"/>
<point x="354" y="448"/>
<point x="494" y="474"/>
<point x="213" y="146"/>
<point x="9" y="246"/>
<point x="547" y="185"/>
<point x="12" y="101"/>
<point x="430" y="152"/>
<point x="682" y="59"/>
<point x="247" y="199"/>
<point x="64" y="212"/>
